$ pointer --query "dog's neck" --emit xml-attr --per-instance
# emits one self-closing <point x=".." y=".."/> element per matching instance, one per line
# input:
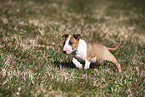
<point x="80" y="50"/>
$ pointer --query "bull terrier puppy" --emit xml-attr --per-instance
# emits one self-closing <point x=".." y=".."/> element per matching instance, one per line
<point x="89" y="52"/>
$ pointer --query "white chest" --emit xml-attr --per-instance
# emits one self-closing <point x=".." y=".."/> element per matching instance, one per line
<point x="82" y="50"/>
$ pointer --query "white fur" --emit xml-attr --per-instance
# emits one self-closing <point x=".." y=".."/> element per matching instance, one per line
<point x="81" y="50"/>
<point x="94" y="60"/>
<point x="77" y="63"/>
<point x="67" y="47"/>
<point x="81" y="53"/>
<point x="87" y="64"/>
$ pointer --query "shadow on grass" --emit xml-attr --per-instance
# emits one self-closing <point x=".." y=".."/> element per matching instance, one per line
<point x="71" y="65"/>
<point x="92" y="65"/>
<point x="64" y="64"/>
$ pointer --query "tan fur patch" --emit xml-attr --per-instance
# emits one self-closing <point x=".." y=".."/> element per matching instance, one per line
<point x="73" y="42"/>
<point x="95" y="49"/>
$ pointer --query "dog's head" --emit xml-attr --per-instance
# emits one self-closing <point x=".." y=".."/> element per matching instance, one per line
<point x="70" y="43"/>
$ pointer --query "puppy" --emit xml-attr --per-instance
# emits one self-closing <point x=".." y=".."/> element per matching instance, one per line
<point x="89" y="52"/>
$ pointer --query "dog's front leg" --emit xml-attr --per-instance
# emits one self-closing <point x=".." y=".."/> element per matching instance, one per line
<point x="87" y="64"/>
<point x="77" y="63"/>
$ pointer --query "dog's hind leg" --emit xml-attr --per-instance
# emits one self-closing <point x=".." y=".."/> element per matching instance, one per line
<point x="111" y="58"/>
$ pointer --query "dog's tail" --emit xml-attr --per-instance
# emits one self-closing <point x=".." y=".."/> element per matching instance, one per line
<point x="115" y="47"/>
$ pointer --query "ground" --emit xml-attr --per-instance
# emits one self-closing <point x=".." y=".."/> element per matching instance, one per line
<point x="31" y="58"/>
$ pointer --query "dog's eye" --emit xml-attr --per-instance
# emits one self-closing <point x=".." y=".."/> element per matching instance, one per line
<point x="70" y="43"/>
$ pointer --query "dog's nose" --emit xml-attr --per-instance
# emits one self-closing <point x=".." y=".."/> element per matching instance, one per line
<point x="64" y="52"/>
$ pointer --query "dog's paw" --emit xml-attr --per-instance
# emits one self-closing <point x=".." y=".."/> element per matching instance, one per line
<point x="79" y="66"/>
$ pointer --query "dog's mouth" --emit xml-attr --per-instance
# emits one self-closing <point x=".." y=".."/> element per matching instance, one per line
<point x="66" y="52"/>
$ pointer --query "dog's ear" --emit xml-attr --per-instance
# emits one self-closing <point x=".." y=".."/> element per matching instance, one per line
<point x="65" y="35"/>
<point x="77" y="36"/>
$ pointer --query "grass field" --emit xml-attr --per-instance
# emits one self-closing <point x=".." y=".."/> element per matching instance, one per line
<point x="31" y="58"/>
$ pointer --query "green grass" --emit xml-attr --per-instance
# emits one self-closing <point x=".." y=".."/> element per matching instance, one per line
<point x="31" y="58"/>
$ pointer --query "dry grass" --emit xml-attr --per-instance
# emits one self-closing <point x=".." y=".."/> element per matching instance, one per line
<point x="31" y="59"/>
